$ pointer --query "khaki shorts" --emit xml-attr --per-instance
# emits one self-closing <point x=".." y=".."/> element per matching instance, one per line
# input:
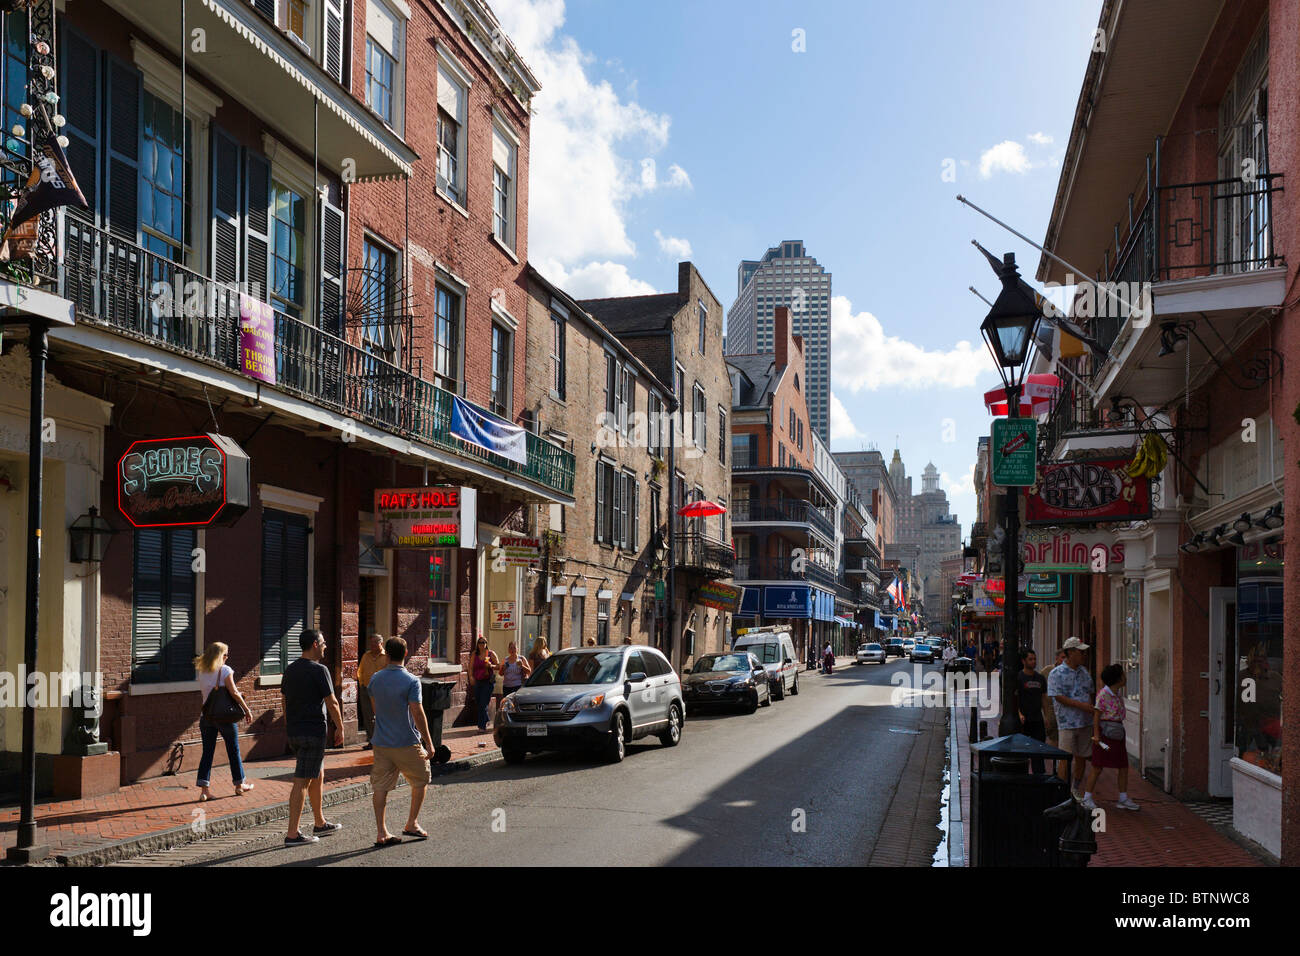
<point x="390" y="761"/>
<point x="1076" y="740"/>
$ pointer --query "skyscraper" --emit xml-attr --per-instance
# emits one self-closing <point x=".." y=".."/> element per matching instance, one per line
<point x="787" y="275"/>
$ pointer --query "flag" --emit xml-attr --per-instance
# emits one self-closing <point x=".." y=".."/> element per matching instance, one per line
<point x="50" y="185"/>
<point x="488" y="432"/>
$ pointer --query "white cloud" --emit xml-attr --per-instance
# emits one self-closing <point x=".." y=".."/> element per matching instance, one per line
<point x="1040" y="139"/>
<point x="842" y="427"/>
<point x="864" y="357"/>
<point x="581" y="134"/>
<point x="1007" y="156"/>
<point x="672" y="246"/>
<point x="594" y="280"/>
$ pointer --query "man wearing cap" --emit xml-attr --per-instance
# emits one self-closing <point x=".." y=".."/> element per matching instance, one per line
<point x="1070" y="688"/>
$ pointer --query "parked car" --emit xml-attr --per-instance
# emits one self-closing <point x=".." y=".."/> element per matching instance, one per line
<point x="775" y="651"/>
<point x="870" y="654"/>
<point x="738" y="679"/>
<point x="593" y="698"/>
<point x="922" y="652"/>
<point x="908" y="644"/>
<point x="894" y="647"/>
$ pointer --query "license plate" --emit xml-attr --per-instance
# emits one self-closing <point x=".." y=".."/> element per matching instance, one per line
<point x="536" y="730"/>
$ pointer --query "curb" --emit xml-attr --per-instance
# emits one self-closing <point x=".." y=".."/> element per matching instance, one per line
<point x="956" y="831"/>
<point x="120" y="850"/>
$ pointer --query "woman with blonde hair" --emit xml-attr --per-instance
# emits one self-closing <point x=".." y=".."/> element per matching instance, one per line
<point x="214" y="673"/>
<point x="539" y="653"/>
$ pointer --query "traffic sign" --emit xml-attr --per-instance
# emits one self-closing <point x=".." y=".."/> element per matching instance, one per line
<point x="1013" y="451"/>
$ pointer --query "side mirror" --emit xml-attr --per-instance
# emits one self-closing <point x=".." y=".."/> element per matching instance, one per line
<point x="636" y="678"/>
<point x="788" y="661"/>
<point x="760" y="671"/>
<point x="686" y="670"/>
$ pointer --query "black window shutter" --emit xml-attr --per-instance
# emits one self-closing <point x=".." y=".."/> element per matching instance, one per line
<point x="226" y="207"/>
<point x="257" y="225"/>
<point x="122" y="181"/>
<point x="178" y="659"/>
<point x="148" y="600"/>
<point x="81" y="100"/>
<point x="285" y="541"/>
<point x="333" y="239"/>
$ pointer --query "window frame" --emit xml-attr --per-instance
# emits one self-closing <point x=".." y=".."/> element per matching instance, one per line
<point x="511" y="194"/>
<point x="370" y="241"/>
<point x="559" y="342"/>
<point x="165" y="590"/>
<point x="501" y="378"/>
<point x="451" y="70"/>
<point x="397" y="57"/>
<point x="700" y="413"/>
<point x="444" y="284"/>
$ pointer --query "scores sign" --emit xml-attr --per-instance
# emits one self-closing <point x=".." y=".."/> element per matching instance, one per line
<point x="183" y="482"/>
<point x="423" y="517"/>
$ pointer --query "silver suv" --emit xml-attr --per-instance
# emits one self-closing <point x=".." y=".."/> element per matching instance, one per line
<point x="592" y="698"/>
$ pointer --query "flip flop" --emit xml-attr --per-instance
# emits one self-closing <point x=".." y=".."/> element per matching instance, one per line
<point x="391" y="841"/>
<point x="418" y="834"/>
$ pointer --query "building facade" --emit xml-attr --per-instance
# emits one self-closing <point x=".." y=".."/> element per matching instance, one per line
<point x="787" y="277"/>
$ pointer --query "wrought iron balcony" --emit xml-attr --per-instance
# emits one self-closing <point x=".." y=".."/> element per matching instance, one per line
<point x="786" y="510"/>
<point x="705" y="555"/>
<point x="779" y="569"/>
<point x="112" y="283"/>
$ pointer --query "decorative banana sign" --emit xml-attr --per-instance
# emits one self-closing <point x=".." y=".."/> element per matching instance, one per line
<point x="1150" y="459"/>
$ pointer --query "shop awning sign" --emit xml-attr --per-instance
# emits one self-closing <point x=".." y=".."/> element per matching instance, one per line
<point x="1087" y="492"/>
<point x="1088" y="552"/>
<point x="724" y="597"/>
<point x="434" y="517"/>
<point x="188" y="482"/>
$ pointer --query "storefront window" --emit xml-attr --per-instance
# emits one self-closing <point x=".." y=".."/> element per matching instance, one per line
<point x="439" y="602"/>
<point x="1130" y="649"/>
<point x="602" y="621"/>
<point x="1259" y="654"/>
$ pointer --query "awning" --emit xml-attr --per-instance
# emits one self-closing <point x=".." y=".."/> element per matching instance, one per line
<point x="1036" y="395"/>
<point x="750" y="603"/>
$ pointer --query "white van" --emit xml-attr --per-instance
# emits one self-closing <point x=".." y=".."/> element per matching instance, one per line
<point x="775" y="650"/>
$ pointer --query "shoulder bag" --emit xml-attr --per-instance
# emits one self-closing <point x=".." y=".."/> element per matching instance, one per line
<point x="221" y="708"/>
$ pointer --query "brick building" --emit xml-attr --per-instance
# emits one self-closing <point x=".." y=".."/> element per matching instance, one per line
<point x="678" y="335"/>
<point x="383" y="336"/>
<point x="590" y="393"/>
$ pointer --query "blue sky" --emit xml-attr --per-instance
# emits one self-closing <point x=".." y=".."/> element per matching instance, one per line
<point x="695" y="129"/>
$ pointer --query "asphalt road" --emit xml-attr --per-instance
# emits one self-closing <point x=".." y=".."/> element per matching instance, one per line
<point x="806" y="781"/>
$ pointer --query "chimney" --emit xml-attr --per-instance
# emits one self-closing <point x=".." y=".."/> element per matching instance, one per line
<point x="781" y="336"/>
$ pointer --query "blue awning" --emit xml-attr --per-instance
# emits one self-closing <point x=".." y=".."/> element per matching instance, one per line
<point x="823" y="606"/>
<point x="749" y="604"/>
<point x="793" y="601"/>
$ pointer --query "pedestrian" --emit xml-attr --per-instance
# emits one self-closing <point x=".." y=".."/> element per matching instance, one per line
<point x="627" y="640"/>
<point x="539" y="653"/>
<point x="213" y="672"/>
<point x="483" y="678"/>
<point x="1070" y="687"/>
<point x="514" y="670"/>
<point x="308" y="693"/>
<point x="828" y="659"/>
<point x="372" y="662"/>
<point x="402" y="742"/>
<point x="591" y="642"/>
<point x="1109" y="748"/>
<point x="1029" y="689"/>
<point x="1049" y="718"/>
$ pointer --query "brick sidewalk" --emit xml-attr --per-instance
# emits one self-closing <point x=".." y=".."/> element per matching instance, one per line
<point x="1163" y="833"/>
<point x="159" y="811"/>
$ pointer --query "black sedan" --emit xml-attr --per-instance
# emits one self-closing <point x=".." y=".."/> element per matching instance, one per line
<point x="894" y="647"/>
<point x="726" y="680"/>
<point x="922" y="652"/>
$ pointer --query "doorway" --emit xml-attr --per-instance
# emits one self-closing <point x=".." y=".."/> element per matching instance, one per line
<point x="1223" y="697"/>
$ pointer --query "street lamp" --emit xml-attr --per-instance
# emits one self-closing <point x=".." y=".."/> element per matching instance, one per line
<point x="1008" y="331"/>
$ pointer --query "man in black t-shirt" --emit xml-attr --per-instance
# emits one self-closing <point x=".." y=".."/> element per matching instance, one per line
<point x="1030" y="687"/>
<point x="308" y="692"/>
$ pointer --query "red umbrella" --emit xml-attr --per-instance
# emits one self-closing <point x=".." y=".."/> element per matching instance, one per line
<point x="1039" y="390"/>
<point x="701" y="509"/>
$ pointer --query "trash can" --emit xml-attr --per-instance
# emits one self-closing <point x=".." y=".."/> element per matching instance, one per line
<point x="1007" y="804"/>
<point x="435" y="695"/>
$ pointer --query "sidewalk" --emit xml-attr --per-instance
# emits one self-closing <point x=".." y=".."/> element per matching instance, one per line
<point x="1163" y="833"/>
<point x="164" y="811"/>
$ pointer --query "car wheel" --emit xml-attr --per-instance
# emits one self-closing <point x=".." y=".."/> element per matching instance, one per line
<point x="794" y="691"/>
<point x="767" y="698"/>
<point x="617" y="747"/>
<point x="752" y="704"/>
<point x="673" y="735"/>
<point x="780" y="689"/>
<point x="513" y="754"/>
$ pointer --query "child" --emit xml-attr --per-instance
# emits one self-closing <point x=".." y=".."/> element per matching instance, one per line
<point x="1108" y="745"/>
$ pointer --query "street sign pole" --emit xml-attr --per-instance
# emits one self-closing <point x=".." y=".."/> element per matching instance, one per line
<point x="1010" y="721"/>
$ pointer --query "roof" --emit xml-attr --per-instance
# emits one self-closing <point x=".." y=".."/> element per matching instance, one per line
<point x="634" y="313"/>
<point x="761" y="378"/>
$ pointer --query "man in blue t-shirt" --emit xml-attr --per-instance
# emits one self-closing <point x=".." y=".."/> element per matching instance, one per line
<point x="402" y="741"/>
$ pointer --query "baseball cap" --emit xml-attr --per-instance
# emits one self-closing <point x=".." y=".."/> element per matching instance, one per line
<point x="1074" y="644"/>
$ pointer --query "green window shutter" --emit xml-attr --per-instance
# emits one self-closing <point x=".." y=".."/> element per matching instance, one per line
<point x="285" y="603"/>
<point x="148" y="617"/>
<point x="333" y="240"/>
<point x="122" y="182"/>
<point x="80" y="87"/>
<point x="226" y="207"/>
<point x="257" y="225"/>
<point x="178" y="653"/>
<point x="297" y="540"/>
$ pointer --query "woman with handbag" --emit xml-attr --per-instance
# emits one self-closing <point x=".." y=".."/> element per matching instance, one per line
<point x="1109" y="748"/>
<point x="483" y="678"/>
<point x="223" y="708"/>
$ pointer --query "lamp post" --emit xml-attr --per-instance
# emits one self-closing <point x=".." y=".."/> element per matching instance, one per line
<point x="1008" y="331"/>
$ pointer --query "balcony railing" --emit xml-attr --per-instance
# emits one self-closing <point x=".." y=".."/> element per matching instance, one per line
<point x="787" y="510"/>
<point x="708" y="556"/>
<point x="111" y="281"/>
<point x="783" y="569"/>
<point x="1072" y="413"/>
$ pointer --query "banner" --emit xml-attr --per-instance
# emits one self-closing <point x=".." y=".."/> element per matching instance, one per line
<point x="488" y="432"/>
<point x="50" y="185"/>
<point x="724" y="597"/>
<point x="1086" y="492"/>
<point x="256" y="339"/>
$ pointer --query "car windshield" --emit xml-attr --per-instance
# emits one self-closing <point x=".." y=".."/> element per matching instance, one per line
<point x="599" y="667"/>
<point x="871" y="647"/>
<point x="922" y="647"/>
<point x="767" y="653"/>
<point x="722" y="662"/>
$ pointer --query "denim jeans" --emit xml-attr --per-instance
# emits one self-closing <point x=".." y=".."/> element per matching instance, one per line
<point x="483" y="695"/>
<point x="230" y="734"/>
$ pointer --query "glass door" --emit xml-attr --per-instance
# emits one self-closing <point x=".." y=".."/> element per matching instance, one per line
<point x="1223" y="638"/>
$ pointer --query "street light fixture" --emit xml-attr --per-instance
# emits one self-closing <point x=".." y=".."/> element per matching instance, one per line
<point x="1008" y="331"/>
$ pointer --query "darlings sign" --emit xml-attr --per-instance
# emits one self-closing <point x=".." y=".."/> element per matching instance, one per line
<point x="1087" y="492"/>
<point x="1088" y="552"/>
<point x="183" y="482"/>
